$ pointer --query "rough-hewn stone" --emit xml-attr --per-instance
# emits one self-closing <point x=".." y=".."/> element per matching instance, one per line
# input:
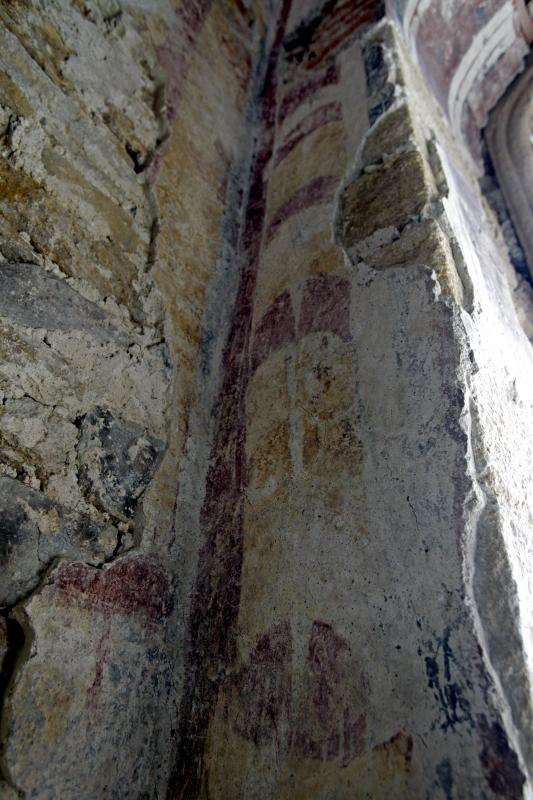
<point x="389" y="197"/>
<point x="35" y="531"/>
<point x="264" y="431"/>
<point x="117" y="461"/>
<point x="36" y="299"/>
<point x="89" y="93"/>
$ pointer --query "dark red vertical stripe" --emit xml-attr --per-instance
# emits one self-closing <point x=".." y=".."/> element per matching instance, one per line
<point x="216" y="593"/>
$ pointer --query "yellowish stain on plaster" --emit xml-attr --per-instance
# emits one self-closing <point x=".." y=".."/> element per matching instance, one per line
<point x="321" y="153"/>
<point x="303" y="247"/>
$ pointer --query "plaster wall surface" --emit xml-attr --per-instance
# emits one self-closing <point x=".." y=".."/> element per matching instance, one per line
<point x="265" y="433"/>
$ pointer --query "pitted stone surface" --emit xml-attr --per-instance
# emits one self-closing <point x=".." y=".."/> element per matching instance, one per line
<point x="106" y="291"/>
<point x="33" y="298"/>
<point x="117" y="461"/>
<point x="265" y="411"/>
<point x="34" y="531"/>
<point x="390" y="196"/>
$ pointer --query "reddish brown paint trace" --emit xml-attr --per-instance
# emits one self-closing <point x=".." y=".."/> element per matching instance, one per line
<point x="216" y="593"/>
<point x="318" y="723"/>
<point x="137" y="586"/>
<point x="300" y="93"/>
<point x="401" y="741"/>
<point x="275" y="329"/>
<point x="325" y="710"/>
<point x="318" y="38"/>
<point x="102" y="653"/>
<point x="443" y="38"/>
<point x="175" y="56"/>
<point x="330" y="112"/>
<point x="339" y="25"/>
<point x="316" y="192"/>
<point x="326" y="306"/>
<point x="211" y="638"/>
<point x="256" y="699"/>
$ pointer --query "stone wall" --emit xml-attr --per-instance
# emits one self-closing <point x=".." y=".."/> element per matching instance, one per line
<point x="266" y="410"/>
<point x="108" y="251"/>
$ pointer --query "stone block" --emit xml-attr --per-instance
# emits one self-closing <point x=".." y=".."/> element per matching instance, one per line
<point x="34" y="298"/>
<point x="388" y="197"/>
<point x="421" y="244"/>
<point x="117" y="461"/>
<point x="34" y="531"/>
<point x="394" y="131"/>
